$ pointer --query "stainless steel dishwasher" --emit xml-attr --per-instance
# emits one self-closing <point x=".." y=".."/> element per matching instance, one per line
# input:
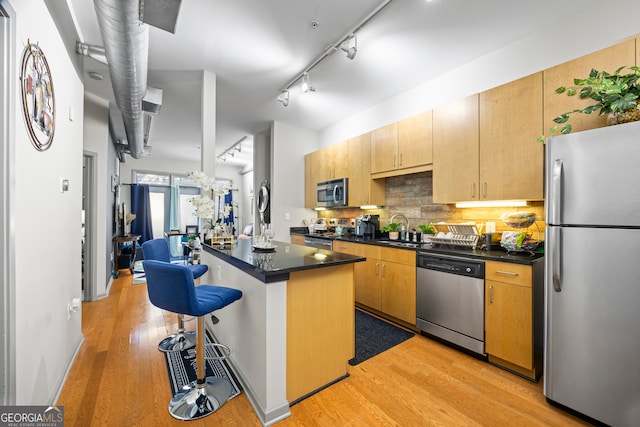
<point x="450" y="299"/>
<point x="317" y="242"/>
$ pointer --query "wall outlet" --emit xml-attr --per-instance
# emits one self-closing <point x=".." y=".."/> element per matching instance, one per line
<point x="287" y="216"/>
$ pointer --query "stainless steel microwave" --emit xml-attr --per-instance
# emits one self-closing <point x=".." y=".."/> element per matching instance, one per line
<point x="332" y="193"/>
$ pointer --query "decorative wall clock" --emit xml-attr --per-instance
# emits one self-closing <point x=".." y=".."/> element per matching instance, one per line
<point x="38" y="98"/>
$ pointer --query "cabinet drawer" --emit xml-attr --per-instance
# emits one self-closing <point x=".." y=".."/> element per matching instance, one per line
<point x="367" y="251"/>
<point x="400" y="256"/>
<point x="344" y="247"/>
<point x="506" y="272"/>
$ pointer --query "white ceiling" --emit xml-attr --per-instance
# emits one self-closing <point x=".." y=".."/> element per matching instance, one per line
<point x="256" y="47"/>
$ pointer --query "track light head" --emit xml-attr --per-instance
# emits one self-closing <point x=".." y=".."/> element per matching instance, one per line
<point x="306" y="86"/>
<point x="351" y="47"/>
<point x="284" y="97"/>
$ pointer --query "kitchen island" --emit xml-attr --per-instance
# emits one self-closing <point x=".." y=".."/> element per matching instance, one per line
<point x="293" y="331"/>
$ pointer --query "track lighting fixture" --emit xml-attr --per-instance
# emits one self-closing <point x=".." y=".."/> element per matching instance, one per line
<point x="306" y="86"/>
<point x="231" y="151"/>
<point x="284" y="97"/>
<point x="350" y="46"/>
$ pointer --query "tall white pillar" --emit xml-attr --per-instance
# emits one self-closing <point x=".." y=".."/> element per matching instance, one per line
<point x="208" y="123"/>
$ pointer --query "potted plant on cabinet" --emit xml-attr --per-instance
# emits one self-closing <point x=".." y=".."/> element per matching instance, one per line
<point x="615" y="94"/>
<point x="393" y="229"/>
<point x="426" y="230"/>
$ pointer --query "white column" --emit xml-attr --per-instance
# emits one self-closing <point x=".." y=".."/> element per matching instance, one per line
<point x="208" y="124"/>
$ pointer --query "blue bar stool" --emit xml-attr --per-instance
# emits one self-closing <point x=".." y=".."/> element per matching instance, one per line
<point x="171" y="288"/>
<point x="158" y="250"/>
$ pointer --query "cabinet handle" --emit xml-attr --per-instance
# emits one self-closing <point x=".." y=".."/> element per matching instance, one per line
<point x="508" y="273"/>
<point x="400" y="159"/>
<point x="383" y="270"/>
<point x="473" y="189"/>
<point x="366" y="197"/>
<point x="490" y="294"/>
<point x="394" y="160"/>
<point x="484" y="189"/>
<point x="377" y="265"/>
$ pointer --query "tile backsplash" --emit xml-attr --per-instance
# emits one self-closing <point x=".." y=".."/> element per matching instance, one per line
<point x="412" y="196"/>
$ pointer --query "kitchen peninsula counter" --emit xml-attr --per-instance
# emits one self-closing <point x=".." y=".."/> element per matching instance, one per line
<point x="293" y="331"/>
<point x="277" y="264"/>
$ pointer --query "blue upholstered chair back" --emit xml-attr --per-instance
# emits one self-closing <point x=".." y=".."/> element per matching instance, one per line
<point x="171" y="287"/>
<point x="156" y="249"/>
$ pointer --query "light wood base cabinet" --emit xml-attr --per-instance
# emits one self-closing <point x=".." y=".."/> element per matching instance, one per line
<point x="386" y="281"/>
<point x="513" y="317"/>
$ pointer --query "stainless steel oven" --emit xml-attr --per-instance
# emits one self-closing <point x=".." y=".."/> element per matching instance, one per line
<point x="332" y="193"/>
<point x="450" y="299"/>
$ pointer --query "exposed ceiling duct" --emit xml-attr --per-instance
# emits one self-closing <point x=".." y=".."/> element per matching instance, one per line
<point x="126" y="44"/>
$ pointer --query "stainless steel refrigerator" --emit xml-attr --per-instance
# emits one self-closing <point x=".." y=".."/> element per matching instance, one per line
<point x="592" y="273"/>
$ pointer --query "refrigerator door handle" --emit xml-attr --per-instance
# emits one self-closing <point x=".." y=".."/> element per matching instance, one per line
<point x="555" y="236"/>
<point x="556" y="196"/>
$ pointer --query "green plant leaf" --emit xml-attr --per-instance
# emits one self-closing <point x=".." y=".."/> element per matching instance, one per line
<point x="626" y="102"/>
<point x="566" y="129"/>
<point x="585" y="92"/>
<point x="571" y="92"/>
<point x="540" y="138"/>
<point x="561" y="89"/>
<point x="561" y="119"/>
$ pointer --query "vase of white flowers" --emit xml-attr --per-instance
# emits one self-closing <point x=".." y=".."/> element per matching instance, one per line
<point x="205" y="204"/>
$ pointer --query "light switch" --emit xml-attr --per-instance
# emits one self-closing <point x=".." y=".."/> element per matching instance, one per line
<point x="287" y="216"/>
<point x="64" y="185"/>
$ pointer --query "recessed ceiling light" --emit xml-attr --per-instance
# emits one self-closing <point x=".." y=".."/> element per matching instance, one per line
<point x="95" y="75"/>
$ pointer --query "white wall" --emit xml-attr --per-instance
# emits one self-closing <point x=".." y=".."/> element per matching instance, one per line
<point x="289" y="145"/>
<point x="96" y="140"/>
<point x="560" y="42"/>
<point x="47" y="223"/>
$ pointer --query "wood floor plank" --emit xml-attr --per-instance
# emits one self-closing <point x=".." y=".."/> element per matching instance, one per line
<point x="120" y="378"/>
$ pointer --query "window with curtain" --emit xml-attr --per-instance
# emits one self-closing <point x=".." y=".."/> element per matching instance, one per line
<point x="160" y="200"/>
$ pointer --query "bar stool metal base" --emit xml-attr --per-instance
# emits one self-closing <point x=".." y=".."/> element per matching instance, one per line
<point x="179" y="341"/>
<point x="199" y="400"/>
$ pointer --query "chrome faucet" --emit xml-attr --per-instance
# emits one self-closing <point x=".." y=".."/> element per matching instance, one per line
<point x="406" y="223"/>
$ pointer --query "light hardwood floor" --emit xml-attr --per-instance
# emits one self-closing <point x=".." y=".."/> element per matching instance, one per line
<point x="119" y="378"/>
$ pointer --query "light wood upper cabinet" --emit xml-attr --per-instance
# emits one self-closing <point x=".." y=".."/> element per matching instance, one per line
<point x="328" y="163"/>
<point x="485" y="147"/>
<point x="609" y="59"/>
<point x="415" y="140"/>
<point x="402" y="147"/>
<point x="362" y="189"/>
<point x="456" y="151"/>
<point x="340" y="160"/>
<point x="511" y="160"/>
<point x="384" y="148"/>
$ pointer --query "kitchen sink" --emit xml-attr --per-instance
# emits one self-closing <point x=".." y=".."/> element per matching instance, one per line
<point x="411" y="245"/>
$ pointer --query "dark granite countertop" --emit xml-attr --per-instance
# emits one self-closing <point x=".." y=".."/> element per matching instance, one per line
<point x="492" y="255"/>
<point x="275" y="265"/>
